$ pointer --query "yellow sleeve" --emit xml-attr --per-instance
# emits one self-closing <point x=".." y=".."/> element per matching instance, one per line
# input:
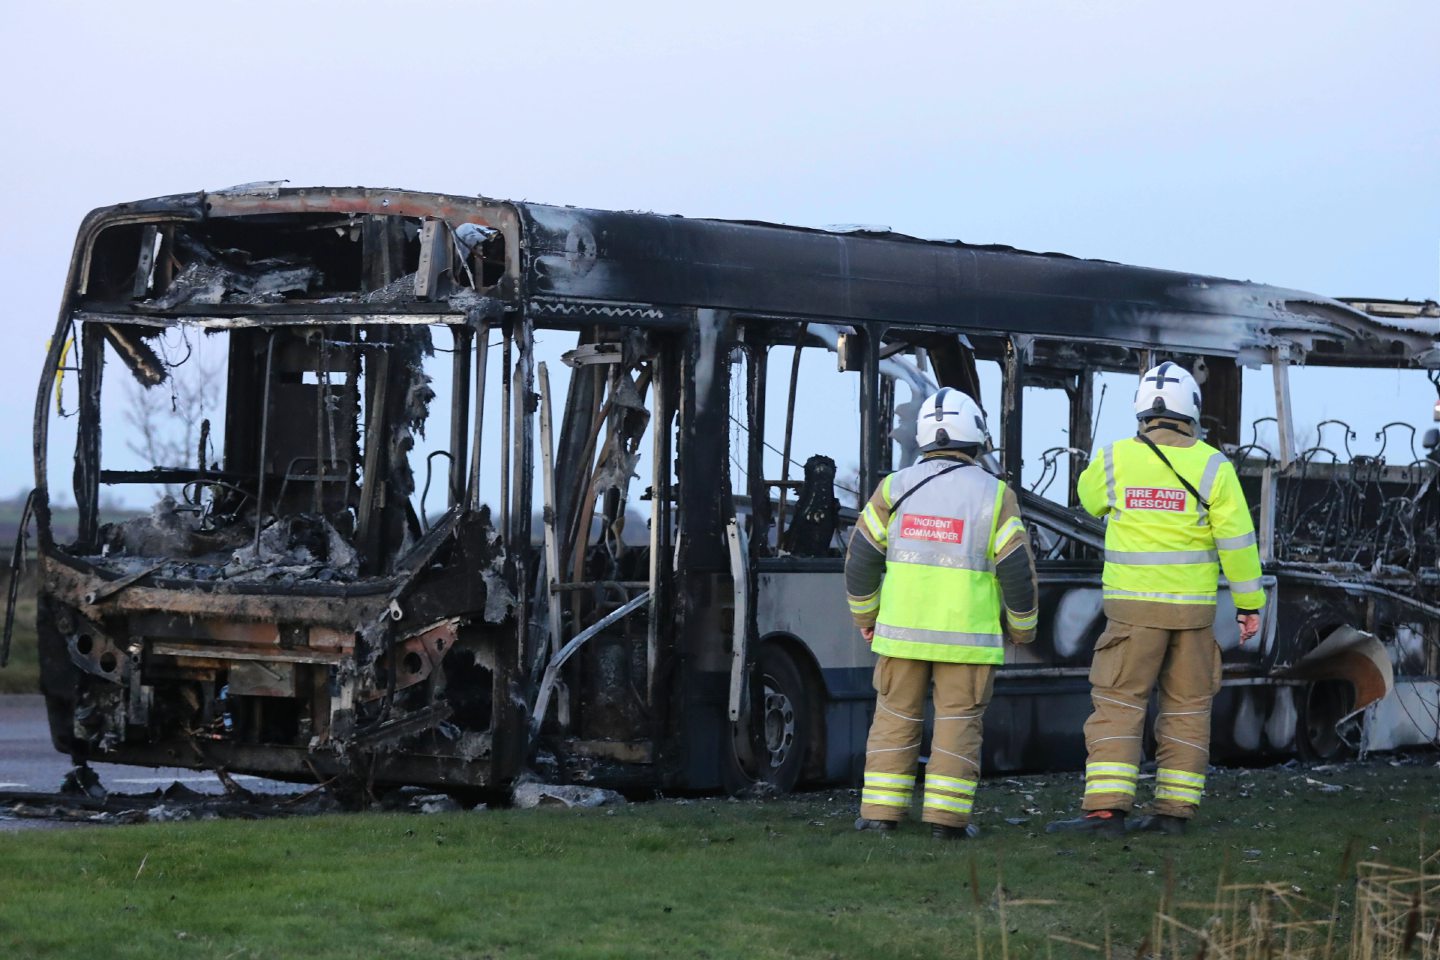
<point x="1096" y="484"/>
<point x="1235" y="540"/>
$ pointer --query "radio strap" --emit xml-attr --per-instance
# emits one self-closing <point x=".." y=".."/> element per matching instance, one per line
<point x="1166" y="460"/>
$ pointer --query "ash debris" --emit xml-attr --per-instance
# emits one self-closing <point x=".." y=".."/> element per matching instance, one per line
<point x="304" y="546"/>
<point x="297" y="547"/>
<point x="222" y="275"/>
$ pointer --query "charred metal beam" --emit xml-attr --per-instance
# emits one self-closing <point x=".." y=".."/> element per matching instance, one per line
<point x="702" y="461"/>
<point x="146" y="260"/>
<point x="384" y="240"/>
<point x="436" y="250"/>
<point x="1012" y="412"/>
<point x="660" y="511"/>
<point x="871" y="434"/>
<point x="552" y="536"/>
<point x="1082" y="430"/>
<point x="460" y="413"/>
<point x="800" y="332"/>
<point x="135" y="353"/>
<point x="524" y="436"/>
<point x="377" y="380"/>
<point x="482" y="364"/>
<point x="755" y="450"/>
<point x="1220" y="401"/>
<point x="87" y="442"/>
<point x="265" y="436"/>
<point x="506" y="427"/>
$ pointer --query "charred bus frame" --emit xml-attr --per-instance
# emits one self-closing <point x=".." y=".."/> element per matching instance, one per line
<point x="393" y="649"/>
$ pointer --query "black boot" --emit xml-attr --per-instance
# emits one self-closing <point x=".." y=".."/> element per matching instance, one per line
<point x="1157" y="823"/>
<point x="941" y="832"/>
<point x="884" y="826"/>
<point x="1107" y="823"/>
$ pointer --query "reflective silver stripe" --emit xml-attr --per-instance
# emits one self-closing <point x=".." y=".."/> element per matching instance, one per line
<point x="1235" y="543"/>
<point x="1246" y="586"/>
<point x="937" y="555"/>
<point x="1138" y="558"/>
<point x="1207" y="480"/>
<point x="1182" y="794"/>
<point x="965" y="497"/>
<point x="1179" y="597"/>
<point x="1023" y="621"/>
<point x="1109" y="455"/>
<point x="919" y="635"/>
<point x="1182" y="777"/>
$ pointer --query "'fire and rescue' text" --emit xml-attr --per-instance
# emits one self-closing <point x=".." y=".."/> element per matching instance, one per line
<point x="1154" y="498"/>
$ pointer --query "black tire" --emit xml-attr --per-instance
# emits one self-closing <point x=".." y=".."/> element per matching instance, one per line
<point x="1322" y="705"/>
<point x="785" y="718"/>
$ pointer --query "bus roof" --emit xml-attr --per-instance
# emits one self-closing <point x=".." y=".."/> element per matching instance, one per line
<point x="615" y="260"/>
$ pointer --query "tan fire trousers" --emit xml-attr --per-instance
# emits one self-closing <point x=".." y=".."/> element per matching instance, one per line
<point x="961" y="693"/>
<point x="1128" y="661"/>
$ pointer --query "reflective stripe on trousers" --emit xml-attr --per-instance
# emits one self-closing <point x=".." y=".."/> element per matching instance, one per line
<point x="1110" y="777"/>
<point x="949" y="793"/>
<point x="888" y="789"/>
<point x="1179" y="785"/>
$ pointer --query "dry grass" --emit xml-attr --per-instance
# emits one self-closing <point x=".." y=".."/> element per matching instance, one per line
<point x="1393" y="913"/>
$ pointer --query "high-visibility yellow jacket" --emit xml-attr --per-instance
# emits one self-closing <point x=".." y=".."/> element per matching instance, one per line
<point x="941" y="599"/>
<point x="1161" y="545"/>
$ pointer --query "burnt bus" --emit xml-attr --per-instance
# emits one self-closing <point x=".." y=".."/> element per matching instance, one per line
<point x="449" y="487"/>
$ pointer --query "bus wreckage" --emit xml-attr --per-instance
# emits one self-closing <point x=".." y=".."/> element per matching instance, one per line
<point x="634" y="578"/>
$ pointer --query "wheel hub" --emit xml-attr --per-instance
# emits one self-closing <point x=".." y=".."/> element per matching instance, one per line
<point x="779" y="724"/>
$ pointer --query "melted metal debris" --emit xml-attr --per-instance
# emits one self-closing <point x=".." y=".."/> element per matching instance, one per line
<point x="175" y="802"/>
<point x="264" y="281"/>
<point x="531" y="793"/>
<point x="178" y="802"/>
<point x="296" y="547"/>
<point x="303" y="546"/>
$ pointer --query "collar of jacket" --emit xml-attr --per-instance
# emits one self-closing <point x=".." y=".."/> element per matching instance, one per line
<point x="947" y="455"/>
<point x="1169" y="433"/>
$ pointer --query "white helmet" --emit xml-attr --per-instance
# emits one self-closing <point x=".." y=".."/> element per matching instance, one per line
<point x="949" y="419"/>
<point x="1168" y="390"/>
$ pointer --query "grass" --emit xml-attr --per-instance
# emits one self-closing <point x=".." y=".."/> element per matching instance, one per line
<point x="706" y="878"/>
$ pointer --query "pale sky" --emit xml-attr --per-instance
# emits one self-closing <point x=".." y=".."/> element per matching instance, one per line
<point x="1294" y="143"/>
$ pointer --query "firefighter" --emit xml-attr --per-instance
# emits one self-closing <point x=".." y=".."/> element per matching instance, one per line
<point x="1176" y="516"/>
<point x="939" y="549"/>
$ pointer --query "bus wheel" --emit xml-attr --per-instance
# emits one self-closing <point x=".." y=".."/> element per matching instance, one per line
<point x="785" y="729"/>
<point x="1322" y="706"/>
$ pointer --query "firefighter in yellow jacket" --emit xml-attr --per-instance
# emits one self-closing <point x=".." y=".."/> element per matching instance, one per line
<point x="939" y="551"/>
<point x="1176" y="517"/>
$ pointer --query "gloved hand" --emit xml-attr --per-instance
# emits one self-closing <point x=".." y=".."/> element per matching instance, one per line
<point x="1249" y="624"/>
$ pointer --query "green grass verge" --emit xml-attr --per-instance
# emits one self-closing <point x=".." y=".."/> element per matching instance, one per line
<point x="705" y="878"/>
<point x="22" y="675"/>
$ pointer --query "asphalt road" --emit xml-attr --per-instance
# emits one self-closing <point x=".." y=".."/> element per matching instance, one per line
<point x="29" y="763"/>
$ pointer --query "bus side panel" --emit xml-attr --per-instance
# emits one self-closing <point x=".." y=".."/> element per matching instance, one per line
<point x="810" y="607"/>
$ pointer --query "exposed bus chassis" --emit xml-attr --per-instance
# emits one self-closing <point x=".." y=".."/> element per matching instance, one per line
<point x="294" y="616"/>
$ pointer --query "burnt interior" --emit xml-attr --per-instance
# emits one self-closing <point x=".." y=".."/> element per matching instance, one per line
<point x="309" y="493"/>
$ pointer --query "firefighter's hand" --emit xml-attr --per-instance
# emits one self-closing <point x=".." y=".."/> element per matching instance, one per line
<point x="1249" y="625"/>
<point x="868" y="633"/>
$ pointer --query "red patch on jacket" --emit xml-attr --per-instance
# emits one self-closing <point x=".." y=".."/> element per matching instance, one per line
<point x="1154" y="498"/>
<point x="917" y="526"/>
